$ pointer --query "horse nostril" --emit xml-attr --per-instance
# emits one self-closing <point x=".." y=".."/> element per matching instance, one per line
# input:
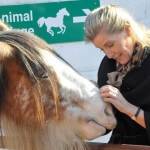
<point x="108" y="111"/>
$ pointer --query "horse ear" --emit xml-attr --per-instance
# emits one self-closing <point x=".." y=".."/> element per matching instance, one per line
<point x="3" y="26"/>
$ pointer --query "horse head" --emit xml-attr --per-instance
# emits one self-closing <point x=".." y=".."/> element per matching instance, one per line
<point x="41" y="21"/>
<point x="64" y="12"/>
<point x="45" y="103"/>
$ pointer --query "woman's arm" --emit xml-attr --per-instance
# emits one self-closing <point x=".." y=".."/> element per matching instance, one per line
<point x="131" y="111"/>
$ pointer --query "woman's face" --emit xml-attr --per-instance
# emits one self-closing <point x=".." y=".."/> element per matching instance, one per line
<point x="118" y="46"/>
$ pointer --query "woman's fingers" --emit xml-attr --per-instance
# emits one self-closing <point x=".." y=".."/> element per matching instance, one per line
<point x="110" y="100"/>
<point x="112" y="95"/>
<point x="108" y="94"/>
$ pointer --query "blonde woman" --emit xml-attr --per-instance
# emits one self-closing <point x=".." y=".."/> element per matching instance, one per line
<point x="124" y="73"/>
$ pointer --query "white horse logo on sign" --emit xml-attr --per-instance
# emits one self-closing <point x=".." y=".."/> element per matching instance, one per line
<point x="56" y="22"/>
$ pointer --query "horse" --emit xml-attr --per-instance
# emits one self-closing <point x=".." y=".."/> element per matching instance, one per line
<point x="54" y="22"/>
<point x="45" y="104"/>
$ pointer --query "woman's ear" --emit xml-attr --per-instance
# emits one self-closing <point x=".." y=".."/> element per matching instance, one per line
<point x="127" y="29"/>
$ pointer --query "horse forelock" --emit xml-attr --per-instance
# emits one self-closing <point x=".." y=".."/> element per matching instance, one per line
<point x="26" y="48"/>
<point x="27" y="60"/>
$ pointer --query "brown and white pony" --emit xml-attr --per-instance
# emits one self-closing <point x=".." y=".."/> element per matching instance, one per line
<point x="44" y="103"/>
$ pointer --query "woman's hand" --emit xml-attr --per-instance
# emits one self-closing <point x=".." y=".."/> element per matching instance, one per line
<point x="112" y="95"/>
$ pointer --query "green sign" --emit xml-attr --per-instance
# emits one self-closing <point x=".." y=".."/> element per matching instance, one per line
<point x="55" y="22"/>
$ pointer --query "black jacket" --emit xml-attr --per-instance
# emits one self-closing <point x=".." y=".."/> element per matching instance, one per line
<point x="136" y="89"/>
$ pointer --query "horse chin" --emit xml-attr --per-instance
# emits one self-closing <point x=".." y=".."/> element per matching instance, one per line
<point x="93" y="130"/>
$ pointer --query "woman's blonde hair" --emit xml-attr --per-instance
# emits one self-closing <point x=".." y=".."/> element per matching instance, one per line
<point x="114" y="19"/>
